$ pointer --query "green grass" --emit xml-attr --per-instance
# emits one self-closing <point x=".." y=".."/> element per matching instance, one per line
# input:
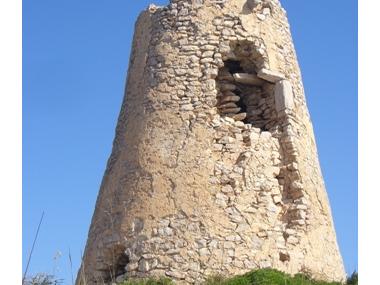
<point x="257" y="277"/>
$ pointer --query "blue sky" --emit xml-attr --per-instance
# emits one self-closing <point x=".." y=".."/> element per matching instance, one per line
<point x="75" y="58"/>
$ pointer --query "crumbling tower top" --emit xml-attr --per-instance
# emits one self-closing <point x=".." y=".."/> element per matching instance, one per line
<point x="251" y="3"/>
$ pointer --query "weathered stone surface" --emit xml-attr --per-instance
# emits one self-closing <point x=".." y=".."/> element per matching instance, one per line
<point x="240" y="116"/>
<point x="284" y="96"/>
<point x="270" y="75"/>
<point x="248" y="79"/>
<point x="228" y="105"/>
<point x="230" y="98"/>
<point x="227" y="87"/>
<point x="230" y="110"/>
<point x="210" y="174"/>
<point x="175" y="274"/>
<point x="143" y="266"/>
<point x="253" y="3"/>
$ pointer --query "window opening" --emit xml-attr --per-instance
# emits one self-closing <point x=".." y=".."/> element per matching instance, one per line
<point x="242" y="95"/>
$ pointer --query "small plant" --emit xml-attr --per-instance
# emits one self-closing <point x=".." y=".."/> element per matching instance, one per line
<point x="150" y="281"/>
<point x="42" y="279"/>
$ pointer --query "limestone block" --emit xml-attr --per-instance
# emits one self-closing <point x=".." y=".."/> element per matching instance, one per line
<point x="228" y="105"/>
<point x="277" y="199"/>
<point x="143" y="266"/>
<point x="227" y="87"/>
<point x="270" y="75"/>
<point x="230" y="98"/>
<point x="197" y="3"/>
<point x="239" y="117"/>
<point x="226" y="76"/>
<point x="261" y="17"/>
<point x="284" y="96"/>
<point x="187" y="107"/>
<point x="204" y="252"/>
<point x="250" y="79"/>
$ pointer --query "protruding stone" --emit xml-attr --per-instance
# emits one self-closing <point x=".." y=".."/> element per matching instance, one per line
<point x="228" y="105"/>
<point x="261" y="17"/>
<point x="227" y="87"/>
<point x="284" y="96"/>
<point x="230" y="98"/>
<point x="277" y="199"/>
<point x="187" y="107"/>
<point x="240" y="116"/>
<point x="270" y="75"/>
<point x="249" y="79"/>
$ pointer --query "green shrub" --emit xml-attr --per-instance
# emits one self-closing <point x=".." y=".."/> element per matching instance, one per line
<point x="353" y="279"/>
<point x="267" y="277"/>
<point x="256" y="277"/>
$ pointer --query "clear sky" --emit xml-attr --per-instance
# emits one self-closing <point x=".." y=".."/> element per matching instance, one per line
<point x="75" y="58"/>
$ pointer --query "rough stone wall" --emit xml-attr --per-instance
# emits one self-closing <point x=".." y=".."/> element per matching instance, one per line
<point x="214" y="168"/>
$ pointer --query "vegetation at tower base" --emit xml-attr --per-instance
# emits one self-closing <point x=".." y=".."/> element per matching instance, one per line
<point x="256" y="277"/>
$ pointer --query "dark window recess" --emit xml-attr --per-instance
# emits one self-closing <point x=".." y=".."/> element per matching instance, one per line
<point x="243" y="96"/>
<point x="120" y="265"/>
<point x="119" y="261"/>
<point x="233" y="66"/>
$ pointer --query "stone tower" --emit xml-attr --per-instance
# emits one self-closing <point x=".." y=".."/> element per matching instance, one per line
<point x="214" y="167"/>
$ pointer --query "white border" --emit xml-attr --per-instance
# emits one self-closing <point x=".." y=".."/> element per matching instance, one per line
<point x="10" y="140"/>
<point x="369" y="143"/>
